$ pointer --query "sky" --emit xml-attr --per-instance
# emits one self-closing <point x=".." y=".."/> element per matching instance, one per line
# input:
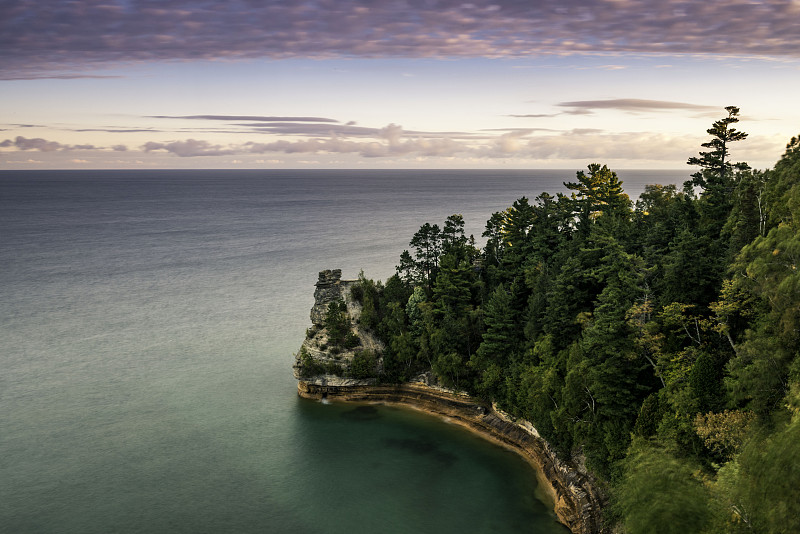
<point x="544" y="84"/>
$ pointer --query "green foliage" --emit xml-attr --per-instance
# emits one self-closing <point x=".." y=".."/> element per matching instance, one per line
<point x="308" y="366"/>
<point x="757" y="491"/>
<point x="598" y="193"/>
<point x="337" y="323"/>
<point x="370" y="302"/>
<point x="351" y="340"/>
<point x="427" y="243"/>
<point x="364" y="365"/>
<point x="716" y="171"/>
<point x="659" y="494"/>
<point x="491" y="359"/>
<point x="780" y="181"/>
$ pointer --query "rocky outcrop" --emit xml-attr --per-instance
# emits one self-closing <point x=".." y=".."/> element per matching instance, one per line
<point x="326" y="372"/>
<point x="329" y="288"/>
<point x="322" y="362"/>
<point x="576" y="501"/>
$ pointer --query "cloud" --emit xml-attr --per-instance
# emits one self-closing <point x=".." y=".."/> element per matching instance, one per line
<point x="117" y="130"/>
<point x="390" y="141"/>
<point x="535" y="116"/>
<point x="295" y="126"/>
<point x="67" y="38"/>
<point x="235" y="118"/>
<point x="283" y="128"/>
<point x="633" y="105"/>
<point x="587" y="145"/>
<point x="12" y="77"/>
<point x="189" y="148"/>
<point x="43" y="145"/>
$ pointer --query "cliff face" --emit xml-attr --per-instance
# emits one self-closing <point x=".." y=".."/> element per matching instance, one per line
<point x="328" y="372"/>
<point x="320" y="360"/>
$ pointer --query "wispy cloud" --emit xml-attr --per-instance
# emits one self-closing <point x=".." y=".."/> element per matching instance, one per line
<point x="33" y="76"/>
<point x="534" y="116"/>
<point x="235" y="118"/>
<point x="298" y="126"/>
<point x="117" y="130"/>
<point x="632" y="105"/>
<point x="67" y="38"/>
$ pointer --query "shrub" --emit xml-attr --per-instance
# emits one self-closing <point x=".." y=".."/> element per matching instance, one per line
<point x="309" y="366"/>
<point x="337" y="322"/>
<point x="351" y="340"/>
<point x="364" y="365"/>
<point x="357" y="292"/>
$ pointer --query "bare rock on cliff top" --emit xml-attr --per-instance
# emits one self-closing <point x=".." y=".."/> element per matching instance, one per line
<point x="328" y="289"/>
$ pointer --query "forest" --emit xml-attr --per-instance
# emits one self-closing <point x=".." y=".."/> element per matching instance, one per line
<point x="654" y="342"/>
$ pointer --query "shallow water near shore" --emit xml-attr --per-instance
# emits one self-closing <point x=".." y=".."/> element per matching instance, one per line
<point x="147" y="325"/>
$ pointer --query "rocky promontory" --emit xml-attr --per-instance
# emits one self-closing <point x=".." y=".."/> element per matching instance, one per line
<point x="337" y="351"/>
<point x="327" y="368"/>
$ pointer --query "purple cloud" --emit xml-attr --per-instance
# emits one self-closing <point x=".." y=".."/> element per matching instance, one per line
<point x="43" y="145"/>
<point x="65" y="38"/>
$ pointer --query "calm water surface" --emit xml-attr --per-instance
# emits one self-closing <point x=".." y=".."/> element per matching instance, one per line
<point x="147" y="326"/>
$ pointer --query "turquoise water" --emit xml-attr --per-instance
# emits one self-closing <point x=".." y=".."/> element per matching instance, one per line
<point x="147" y="326"/>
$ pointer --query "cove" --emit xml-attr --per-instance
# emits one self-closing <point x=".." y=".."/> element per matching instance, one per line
<point x="572" y="495"/>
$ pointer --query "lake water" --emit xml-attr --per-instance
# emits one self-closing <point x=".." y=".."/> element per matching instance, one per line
<point x="147" y="325"/>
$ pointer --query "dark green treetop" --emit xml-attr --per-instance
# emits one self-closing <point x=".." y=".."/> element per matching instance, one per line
<point x="716" y="171"/>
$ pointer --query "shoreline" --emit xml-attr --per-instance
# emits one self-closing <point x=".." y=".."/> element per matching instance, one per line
<point x="576" y="501"/>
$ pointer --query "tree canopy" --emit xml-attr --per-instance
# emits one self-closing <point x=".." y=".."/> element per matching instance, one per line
<point x="657" y="342"/>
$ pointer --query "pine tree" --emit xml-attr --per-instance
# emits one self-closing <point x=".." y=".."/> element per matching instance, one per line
<point x="491" y="359"/>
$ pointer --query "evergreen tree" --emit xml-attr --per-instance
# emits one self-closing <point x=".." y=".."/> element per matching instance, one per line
<point x="716" y="174"/>
<point x="491" y="359"/>
<point x="716" y="178"/>
<point x="597" y="193"/>
<point x="427" y="243"/>
<point x="453" y="233"/>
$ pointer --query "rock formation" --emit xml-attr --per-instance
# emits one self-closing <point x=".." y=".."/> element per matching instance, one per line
<point x="325" y="363"/>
